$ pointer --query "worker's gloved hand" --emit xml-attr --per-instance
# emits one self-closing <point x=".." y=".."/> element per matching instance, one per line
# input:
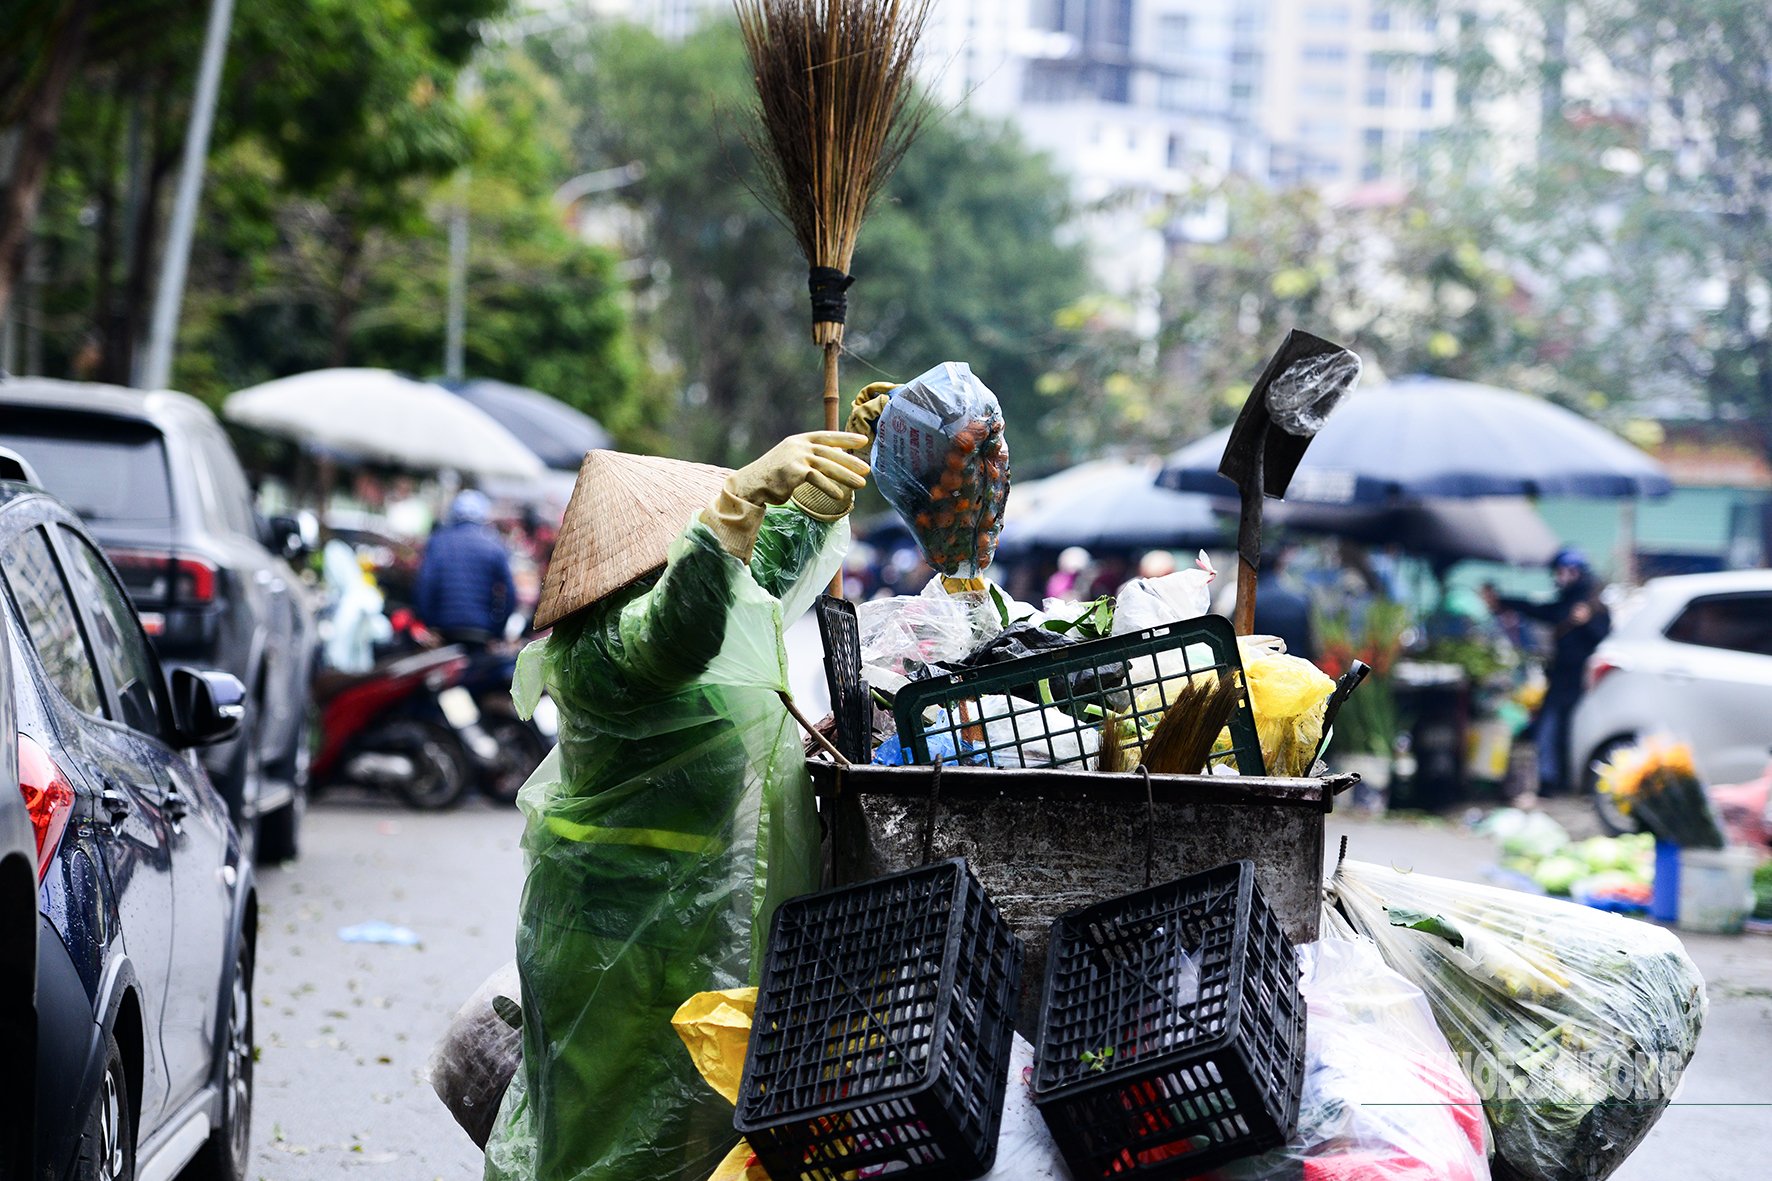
<point x="870" y="403"/>
<point x="818" y="460"/>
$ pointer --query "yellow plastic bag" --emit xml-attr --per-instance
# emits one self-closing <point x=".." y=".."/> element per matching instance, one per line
<point x="1287" y="695"/>
<point x="716" y="1028"/>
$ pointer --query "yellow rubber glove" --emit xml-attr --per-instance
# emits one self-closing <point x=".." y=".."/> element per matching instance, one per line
<point x="870" y="403"/>
<point x="820" y="459"/>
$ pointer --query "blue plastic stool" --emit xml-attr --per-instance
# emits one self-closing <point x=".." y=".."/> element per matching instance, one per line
<point x="1664" y="906"/>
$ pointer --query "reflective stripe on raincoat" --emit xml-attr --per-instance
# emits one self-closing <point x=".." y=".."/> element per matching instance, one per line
<point x="673" y="816"/>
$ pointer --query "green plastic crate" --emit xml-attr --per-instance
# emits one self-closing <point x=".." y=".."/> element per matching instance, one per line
<point x="1047" y="710"/>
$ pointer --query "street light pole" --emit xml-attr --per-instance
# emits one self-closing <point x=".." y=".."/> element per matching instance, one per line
<point x="156" y="370"/>
<point x="455" y="327"/>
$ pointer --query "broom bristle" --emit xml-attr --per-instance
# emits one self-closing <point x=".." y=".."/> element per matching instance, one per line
<point x="835" y="111"/>
<point x="1183" y="738"/>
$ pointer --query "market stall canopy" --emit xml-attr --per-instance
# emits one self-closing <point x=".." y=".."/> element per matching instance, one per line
<point x="1105" y="504"/>
<point x="558" y="434"/>
<point x="1489" y="528"/>
<point x="384" y="417"/>
<point x="1432" y="436"/>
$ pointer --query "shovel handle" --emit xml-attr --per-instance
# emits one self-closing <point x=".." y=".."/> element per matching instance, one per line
<point x="1243" y="619"/>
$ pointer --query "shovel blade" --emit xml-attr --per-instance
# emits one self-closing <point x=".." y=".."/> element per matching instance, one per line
<point x="1306" y="378"/>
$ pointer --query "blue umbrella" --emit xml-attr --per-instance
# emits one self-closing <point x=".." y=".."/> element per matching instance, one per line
<point x="556" y="432"/>
<point x="1432" y="436"/>
<point x="1102" y="505"/>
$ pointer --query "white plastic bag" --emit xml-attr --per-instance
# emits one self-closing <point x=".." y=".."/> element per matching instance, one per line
<point x="1574" y="1025"/>
<point x="1152" y="602"/>
<point x="1384" y="1098"/>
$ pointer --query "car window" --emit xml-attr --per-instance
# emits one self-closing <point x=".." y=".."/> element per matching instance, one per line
<point x="102" y="468"/>
<point x="232" y="498"/>
<point x="1740" y="623"/>
<point x="49" y="616"/>
<point x="117" y="637"/>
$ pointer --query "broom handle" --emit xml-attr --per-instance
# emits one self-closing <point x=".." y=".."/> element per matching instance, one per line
<point x="832" y="349"/>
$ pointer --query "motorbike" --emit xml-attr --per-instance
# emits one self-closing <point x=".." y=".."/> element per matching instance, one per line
<point x="505" y="748"/>
<point x="387" y="729"/>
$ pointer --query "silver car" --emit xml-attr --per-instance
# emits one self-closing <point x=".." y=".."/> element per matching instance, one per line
<point x="1689" y="657"/>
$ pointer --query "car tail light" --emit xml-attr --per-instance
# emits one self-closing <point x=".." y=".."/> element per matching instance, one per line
<point x="1598" y="669"/>
<point x="49" y="798"/>
<point x="152" y="577"/>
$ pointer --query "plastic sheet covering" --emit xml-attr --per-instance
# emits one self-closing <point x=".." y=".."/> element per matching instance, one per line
<point x="903" y="635"/>
<point x="941" y="461"/>
<point x="472" y="1063"/>
<point x="1302" y="397"/>
<point x="672" y="817"/>
<point x="1384" y="1097"/>
<point x="1574" y="1025"/>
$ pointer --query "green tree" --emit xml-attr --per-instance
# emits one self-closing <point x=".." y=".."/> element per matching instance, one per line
<point x="344" y="102"/>
<point x="1642" y="212"/>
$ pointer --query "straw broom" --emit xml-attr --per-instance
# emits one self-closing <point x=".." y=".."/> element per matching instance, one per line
<point x="835" y="114"/>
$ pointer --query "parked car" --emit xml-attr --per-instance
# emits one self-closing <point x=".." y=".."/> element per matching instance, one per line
<point x="18" y="923"/>
<point x="141" y="909"/>
<point x="155" y="479"/>
<point x="1689" y="656"/>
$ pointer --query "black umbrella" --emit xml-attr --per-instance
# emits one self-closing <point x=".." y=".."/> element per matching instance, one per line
<point x="556" y="432"/>
<point x="1105" y="504"/>
<point x="1491" y="528"/>
<point x="1430" y="436"/>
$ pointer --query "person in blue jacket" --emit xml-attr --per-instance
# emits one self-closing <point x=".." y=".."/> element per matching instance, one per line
<point x="464" y="590"/>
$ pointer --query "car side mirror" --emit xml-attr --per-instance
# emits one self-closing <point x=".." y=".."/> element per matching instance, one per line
<point x="289" y="536"/>
<point x="207" y="706"/>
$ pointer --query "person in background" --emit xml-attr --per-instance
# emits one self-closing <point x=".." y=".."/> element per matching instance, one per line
<point x="1156" y="564"/>
<point x="1071" y="564"/>
<point x="1578" y="622"/>
<point x="465" y="591"/>
<point x="1282" y="608"/>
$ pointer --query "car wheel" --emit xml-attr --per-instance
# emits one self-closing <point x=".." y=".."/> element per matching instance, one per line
<point x="107" y="1146"/>
<point x="224" y="1156"/>
<point x="279" y="832"/>
<point x="520" y="752"/>
<point x="441" y="772"/>
<point x="1613" y="819"/>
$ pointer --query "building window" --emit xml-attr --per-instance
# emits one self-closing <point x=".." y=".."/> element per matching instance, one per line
<point x="1372" y="160"/>
<point x="1320" y="54"/>
<point x="1381" y="20"/>
<point x="1326" y="16"/>
<point x="1427" y="83"/>
<point x="1172" y="33"/>
<point x="1323" y="94"/>
<point x="1320" y="131"/>
<point x="1375" y="93"/>
<point x="1174" y="156"/>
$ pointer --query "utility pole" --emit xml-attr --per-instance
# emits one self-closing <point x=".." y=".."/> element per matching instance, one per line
<point x="455" y="328"/>
<point x="156" y="369"/>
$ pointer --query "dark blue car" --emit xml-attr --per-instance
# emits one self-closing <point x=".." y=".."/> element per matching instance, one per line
<point x="126" y="951"/>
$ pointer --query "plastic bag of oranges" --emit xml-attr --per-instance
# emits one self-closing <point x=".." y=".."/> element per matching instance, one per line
<point x="941" y="460"/>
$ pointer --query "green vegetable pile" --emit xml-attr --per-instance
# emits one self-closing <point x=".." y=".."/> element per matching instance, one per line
<point x="1572" y="1024"/>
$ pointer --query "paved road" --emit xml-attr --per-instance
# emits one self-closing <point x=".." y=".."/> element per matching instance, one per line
<point x="345" y="1029"/>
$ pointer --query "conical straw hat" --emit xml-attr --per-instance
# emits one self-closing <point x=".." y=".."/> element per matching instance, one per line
<point x="624" y="513"/>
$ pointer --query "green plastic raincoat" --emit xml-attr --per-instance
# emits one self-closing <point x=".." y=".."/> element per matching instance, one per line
<point x="673" y="816"/>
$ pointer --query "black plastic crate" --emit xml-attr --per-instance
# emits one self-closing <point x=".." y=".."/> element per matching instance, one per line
<point x="1135" y="1076"/>
<point x="882" y="1029"/>
<point x="852" y="708"/>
